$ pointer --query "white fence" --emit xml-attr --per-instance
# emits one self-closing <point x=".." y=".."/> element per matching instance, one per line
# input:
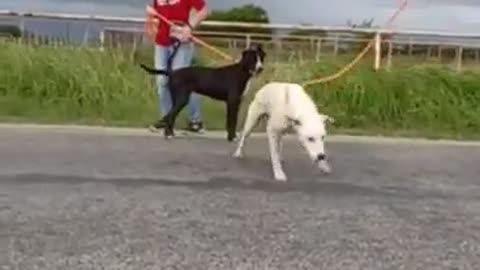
<point x="90" y="28"/>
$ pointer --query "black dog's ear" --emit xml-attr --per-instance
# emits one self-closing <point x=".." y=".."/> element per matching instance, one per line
<point x="260" y="50"/>
<point x="255" y="46"/>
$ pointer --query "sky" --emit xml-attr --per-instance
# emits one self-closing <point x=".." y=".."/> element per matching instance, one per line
<point x="446" y="15"/>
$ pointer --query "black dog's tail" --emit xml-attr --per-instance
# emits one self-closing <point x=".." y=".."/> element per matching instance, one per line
<point x="154" y="71"/>
<point x="176" y="45"/>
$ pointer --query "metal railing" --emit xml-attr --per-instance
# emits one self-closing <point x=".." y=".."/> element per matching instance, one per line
<point x="316" y="38"/>
<point x="83" y="17"/>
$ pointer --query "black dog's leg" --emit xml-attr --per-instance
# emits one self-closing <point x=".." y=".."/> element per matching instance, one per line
<point x="179" y="102"/>
<point x="233" y="106"/>
<point x="168" y="129"/>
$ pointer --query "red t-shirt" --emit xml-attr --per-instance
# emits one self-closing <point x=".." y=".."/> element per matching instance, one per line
<point x="174" y="10"/>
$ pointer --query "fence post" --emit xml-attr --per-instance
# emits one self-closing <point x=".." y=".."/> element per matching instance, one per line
<point x="429" y="52"/>
<point x="459" y="58"/>
<point x="86" y="34"/>
<point x="378" y="50"/>
<point x="102" y="40"/>
<point x="335" y="49"/>
<point x="22" y="29"/>
<point x="300" y="56"/>
<point x="477" y="55"/>
<point x="389" y="55"/>
<point x="67" y="30"/>
<point x="134" y="48"/>
<point x="248" y="41"/>
<point x="410" y="46"/>
<point x="36" y="40"/>
<point x="319" y="50"/>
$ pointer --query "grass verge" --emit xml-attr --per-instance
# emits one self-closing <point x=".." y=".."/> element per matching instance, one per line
<point x="87" y="86"/>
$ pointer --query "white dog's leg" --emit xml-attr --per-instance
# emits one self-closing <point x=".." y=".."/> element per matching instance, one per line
<point x="273" y="139"/>
<point x="280" y="147"/>
<point x="253" y="115"/>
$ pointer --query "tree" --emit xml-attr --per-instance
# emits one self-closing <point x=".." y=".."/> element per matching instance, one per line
<point x="12" y="30"/>
<point x="249" y="13"/>
<point x="316" y="33"/>
<point x="246" y="13"/>
<point x="365" y="23"/>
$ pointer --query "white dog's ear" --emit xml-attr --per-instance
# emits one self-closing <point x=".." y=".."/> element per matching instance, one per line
<point x="327" y="119"/>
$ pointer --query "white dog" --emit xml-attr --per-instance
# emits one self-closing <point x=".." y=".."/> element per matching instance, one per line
<point x="288" y="108"/>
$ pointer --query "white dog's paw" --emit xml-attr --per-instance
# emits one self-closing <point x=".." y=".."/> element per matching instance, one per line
<point x="280" y="176"/>
<point x="238" y="153"/>
<point x="324" y="167"/>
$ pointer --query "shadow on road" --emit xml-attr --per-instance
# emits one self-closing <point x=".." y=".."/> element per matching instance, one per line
<point x="222" y="183"/>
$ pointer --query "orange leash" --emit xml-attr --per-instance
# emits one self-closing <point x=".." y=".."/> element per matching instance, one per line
<point x="151" y="11"/>
<point x="359" y="56"/>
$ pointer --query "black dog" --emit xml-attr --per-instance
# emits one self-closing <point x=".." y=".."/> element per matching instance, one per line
<point x="226" y="83"/>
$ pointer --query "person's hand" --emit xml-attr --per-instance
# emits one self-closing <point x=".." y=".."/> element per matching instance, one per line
<point x="181" y="32"/>
<point x="185" y="32"/>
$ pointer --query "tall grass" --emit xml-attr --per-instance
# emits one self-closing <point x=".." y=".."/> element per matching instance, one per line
<point x="429" y="100"/>
<point x="81" y="85"/>
<point x="74" y="85"/>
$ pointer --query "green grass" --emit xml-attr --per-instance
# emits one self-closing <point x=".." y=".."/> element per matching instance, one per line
<point x="86" y="86"/>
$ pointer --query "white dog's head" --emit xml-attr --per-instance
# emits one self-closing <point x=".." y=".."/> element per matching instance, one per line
<point x="311" y="133"/>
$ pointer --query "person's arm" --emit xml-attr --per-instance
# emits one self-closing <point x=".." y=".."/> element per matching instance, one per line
<point x="201" y="13"/>
<point x="151" y="23"/>
<point x="199" y="17"/>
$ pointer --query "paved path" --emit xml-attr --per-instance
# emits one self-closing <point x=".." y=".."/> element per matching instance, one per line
<point x="117" y="199"/>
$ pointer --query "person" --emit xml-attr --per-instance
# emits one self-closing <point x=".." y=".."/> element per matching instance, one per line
<point x="177" y="11"/>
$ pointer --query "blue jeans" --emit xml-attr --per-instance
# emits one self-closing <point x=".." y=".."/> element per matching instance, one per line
<point x="183" y="58"/>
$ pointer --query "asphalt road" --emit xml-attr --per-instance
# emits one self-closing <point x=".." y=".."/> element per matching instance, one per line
<point x="73" y="200"/>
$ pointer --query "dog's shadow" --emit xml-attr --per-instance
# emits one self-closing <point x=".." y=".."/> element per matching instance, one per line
<point x="323" y="187"/>
<point x="308" y="187"/>
<point x="218" y="183"/>
<point x="291" y="186"/>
